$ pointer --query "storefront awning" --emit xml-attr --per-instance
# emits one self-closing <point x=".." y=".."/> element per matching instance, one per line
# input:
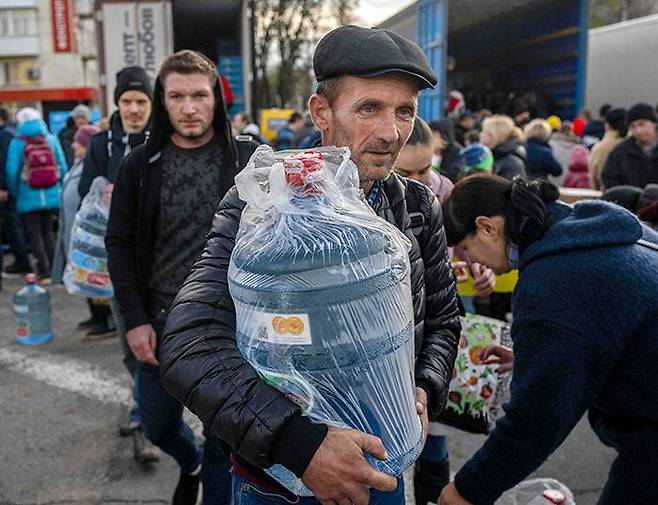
<point x="48" y="94"/>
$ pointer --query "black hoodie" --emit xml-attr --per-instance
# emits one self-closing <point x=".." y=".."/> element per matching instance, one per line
<point x="136" y="201"/>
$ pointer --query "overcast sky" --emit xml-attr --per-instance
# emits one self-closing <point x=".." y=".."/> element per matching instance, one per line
<point x="375" y="11"/>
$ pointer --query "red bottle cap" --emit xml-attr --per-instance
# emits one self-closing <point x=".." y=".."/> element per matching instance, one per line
<point x="554" y="496"/>
<point x="298" y="166"/>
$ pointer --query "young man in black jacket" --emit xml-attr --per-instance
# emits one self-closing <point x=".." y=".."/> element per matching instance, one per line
<point x="163" y="202"/>
<point x="367" y="97"/>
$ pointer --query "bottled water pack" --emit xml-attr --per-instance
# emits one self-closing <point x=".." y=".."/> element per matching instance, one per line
<point x="86" y="271"/>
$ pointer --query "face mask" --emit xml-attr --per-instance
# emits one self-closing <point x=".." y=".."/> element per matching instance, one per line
<point x="436" y="161"/>
<point x="513" y="255"/>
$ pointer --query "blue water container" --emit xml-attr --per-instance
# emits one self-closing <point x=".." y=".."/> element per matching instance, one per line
<point x="32" y="313"/>
<point x="324" y="314"/>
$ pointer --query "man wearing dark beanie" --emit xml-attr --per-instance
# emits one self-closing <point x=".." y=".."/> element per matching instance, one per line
<point x="129" y="128"/>
<point x="634" y="162"/>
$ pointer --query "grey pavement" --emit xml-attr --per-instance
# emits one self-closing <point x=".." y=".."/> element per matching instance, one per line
<point x="59" y="445"/>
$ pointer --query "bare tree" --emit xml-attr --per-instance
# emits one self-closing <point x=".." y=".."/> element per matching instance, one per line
<point x="286" y="31"/>
<point x="605" y="12"/>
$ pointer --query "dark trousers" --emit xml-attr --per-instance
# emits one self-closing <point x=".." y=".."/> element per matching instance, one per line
<point x="12" y="229"/>
<point x="41" y="236"/>
<point x="162" y="419"/>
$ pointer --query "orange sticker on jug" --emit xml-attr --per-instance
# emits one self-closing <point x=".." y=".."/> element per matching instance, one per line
<point x="287" y="328"/>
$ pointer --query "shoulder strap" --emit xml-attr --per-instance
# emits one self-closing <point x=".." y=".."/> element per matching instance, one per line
<point x="416" y="217"/>
<point x="648" y="244"/>
<point x="246" y="147"/>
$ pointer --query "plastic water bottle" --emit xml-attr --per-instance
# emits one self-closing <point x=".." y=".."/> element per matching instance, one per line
<point x="32" y="313"/>
<point x="332" y="328"/>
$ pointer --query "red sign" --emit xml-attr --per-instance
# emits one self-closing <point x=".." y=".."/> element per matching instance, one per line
<point x="62" y="38"/>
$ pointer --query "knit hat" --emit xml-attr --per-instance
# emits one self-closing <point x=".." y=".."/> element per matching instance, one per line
<point x="132" y="79"/>
<point x="80" y="111"/>
<point x="477" y="157"/>
<point x="27" y="114"/>
<point x="84" y="133"/>
<point x="641" y="111"/>
<point x="579" y="126"/>
<point x="555" y="122"/>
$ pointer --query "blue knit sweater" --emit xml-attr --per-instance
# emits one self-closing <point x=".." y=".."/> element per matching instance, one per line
<point x="585" y="335"/>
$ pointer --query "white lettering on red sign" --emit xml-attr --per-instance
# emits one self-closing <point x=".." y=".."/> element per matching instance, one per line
<point x="61" y="26"/>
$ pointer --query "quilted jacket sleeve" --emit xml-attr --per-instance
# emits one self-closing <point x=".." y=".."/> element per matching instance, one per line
<point x="200" y="363"/>
<point x="435" y="361"/>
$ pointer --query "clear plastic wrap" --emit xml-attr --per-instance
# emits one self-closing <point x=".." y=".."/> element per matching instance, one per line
<point x="86" y="271"/>
<point x="538" y="492"/>
<point x="323" y="301"/>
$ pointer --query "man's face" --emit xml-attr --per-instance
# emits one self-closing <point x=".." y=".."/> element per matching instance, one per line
<point x="190" y="103"/>
<point x="643" y="130"/>
<point x="80" y="121"/>
<point x="239" y="122"/>
<point x="372" y="116"/>
<point x="135" y="110"/>
<point x="414" y="162"/>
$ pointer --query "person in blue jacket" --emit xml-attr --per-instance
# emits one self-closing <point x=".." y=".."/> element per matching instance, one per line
<point x="585" y="333"/>
<point x="37" y="207"/>
<point x="541" y="162"/>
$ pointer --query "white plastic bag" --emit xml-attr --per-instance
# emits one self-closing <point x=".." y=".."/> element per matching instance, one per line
<point x="323" y="300"/>
<point x="86" y="271"/>
<point x="538" y="492"/>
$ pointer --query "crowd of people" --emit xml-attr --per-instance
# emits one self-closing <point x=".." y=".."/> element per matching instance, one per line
<point x="483" y="183"/>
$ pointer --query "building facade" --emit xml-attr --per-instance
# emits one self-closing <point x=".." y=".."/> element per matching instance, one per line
<point x="48" y="56"/>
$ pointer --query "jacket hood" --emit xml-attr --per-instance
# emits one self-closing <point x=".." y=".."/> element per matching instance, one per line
<point x="161" y="127"/>
<point x="585" y="225"/>
<point x="33" y="128"/>
<point x="510" y="146"/>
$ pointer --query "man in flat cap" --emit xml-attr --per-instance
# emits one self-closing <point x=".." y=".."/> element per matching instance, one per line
<point x="369" y="80"/>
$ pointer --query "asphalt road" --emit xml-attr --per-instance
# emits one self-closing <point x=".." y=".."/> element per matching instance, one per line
<point x="61" y="403"/>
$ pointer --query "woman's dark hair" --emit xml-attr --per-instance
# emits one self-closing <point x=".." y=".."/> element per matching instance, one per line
<point x="421" y="134"/>
<point x="521" y="203"/>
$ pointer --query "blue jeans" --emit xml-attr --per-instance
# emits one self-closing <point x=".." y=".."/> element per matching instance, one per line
<point x="248" y="493"/>
<point x="162" y="419"/>
<point x="435" y="450"/>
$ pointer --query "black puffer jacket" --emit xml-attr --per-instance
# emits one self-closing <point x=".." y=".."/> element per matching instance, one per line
<point x="201" y="365"/>
<point x="510" y="159"/>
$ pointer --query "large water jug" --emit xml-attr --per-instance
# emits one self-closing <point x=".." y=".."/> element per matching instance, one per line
<point x="86" y="272"/>
<point x="323" y="304"/>
<point x="32" y="313"/>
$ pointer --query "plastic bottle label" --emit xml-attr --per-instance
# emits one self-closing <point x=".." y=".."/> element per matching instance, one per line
<point x="20" y="309"/>
<point x="23" y="328"/>
<point x="287" y="329"/>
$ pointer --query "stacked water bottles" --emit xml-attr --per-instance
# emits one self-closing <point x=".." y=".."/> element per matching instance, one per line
<point x="86" y="271"/>
<point x="323" y="301"/>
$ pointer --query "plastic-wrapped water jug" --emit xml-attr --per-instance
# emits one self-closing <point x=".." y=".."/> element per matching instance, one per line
<point x="538" y="492"/>
<point x="32" y="313"/>
<point x="323" y="300"/>
<point x="86" y="271"/>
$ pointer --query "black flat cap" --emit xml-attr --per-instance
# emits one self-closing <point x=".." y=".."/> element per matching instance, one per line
<point x="367" y="52"/>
